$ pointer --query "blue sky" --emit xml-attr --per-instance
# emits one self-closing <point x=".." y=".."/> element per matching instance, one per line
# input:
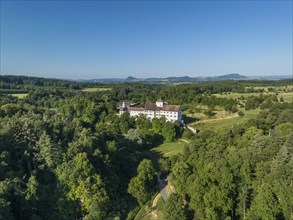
<point x="104" y="39"/>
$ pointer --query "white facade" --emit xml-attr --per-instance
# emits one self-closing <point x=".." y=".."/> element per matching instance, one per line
<point x="159" y="103"/>
<point x="170" y="112"/>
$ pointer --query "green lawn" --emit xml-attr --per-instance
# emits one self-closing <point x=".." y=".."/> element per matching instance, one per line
<point x="95" y="89"/>
<point x="169" y="149"/>
<point x="166" y="149"/>
<point x="227" y="123"/>
<point x="20" y="95"/>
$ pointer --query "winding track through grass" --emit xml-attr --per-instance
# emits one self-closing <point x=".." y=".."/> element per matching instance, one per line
<point x="227" y="122"/>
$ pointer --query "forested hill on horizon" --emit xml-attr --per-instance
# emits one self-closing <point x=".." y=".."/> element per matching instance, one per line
<point x="178" y="79"/>
<point x="170" y="79"/>
<point x="22" y="84"/>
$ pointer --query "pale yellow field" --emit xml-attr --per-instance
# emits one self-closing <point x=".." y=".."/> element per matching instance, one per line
<point x="226" y="122"/>
<point x="95" y="89"/>
<point x="287" y="96"/>
<point x="20" y="95"/>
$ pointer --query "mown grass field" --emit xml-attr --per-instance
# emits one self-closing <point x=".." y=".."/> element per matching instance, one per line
<point x="281" y="91"/>
<point x="287" y="96"/>
<point x="20" y="95"/>
<point x="266" y="88"/>
<point x="226" y="122"/>
<point x="169" y="149"/>
<point x="224" y="119"/>
<point x="95" y="89"/>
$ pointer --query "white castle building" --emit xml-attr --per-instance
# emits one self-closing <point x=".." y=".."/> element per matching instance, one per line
<point x="171" y="112"/>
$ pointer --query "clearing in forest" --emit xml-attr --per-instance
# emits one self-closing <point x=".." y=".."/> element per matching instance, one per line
<point x="229" y="121"/>
<point x="96" y="89"/>
<point x="20" y="95"/>
<point x="169" y="149"/>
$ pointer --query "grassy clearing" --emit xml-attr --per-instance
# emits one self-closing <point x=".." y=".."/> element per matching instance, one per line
<point x="226" y="122"/>
<point x="20" y="95"/>
<point x="95" y="89"/>
<point x="237" y="95"/>
<point x="288" y="97"/>
<point x="166" y="149"/>
<point x="169" y="149"/>
<point x="265" y="88"/>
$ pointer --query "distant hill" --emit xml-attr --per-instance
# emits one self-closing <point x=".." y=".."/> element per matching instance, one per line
<point x="181" y="79"/>
<point x="231" y="76"/>
<point x="130" y="79"/>
<point x="186" y="79"/>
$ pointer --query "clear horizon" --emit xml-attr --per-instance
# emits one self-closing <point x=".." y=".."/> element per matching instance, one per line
<point x="99" y="39"/>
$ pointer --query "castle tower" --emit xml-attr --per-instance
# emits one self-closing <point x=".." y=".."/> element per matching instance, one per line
<point x="160" y="103"/>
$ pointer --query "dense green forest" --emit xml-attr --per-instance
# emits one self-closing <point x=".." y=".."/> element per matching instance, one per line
<point x="66" y="154"/>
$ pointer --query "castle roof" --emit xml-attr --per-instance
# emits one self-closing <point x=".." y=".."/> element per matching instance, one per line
<point x="135" y="109"/>
<point x="151" y="106"/>
<point x="172" y="108"/>
<point x="154" y="107"/>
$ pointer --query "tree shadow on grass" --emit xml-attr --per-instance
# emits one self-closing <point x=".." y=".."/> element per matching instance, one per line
<point x="188" y="120"/>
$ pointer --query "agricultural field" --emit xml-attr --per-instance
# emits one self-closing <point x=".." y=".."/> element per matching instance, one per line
<point x="226" y="122"/>
<point x="287" y="96"/>
<point x="197" y="118"/>
<point x="286" y="92"/>
<point x="20" y="95"/>
<point x="98" y="89"/>
<point x="277" y="88"/>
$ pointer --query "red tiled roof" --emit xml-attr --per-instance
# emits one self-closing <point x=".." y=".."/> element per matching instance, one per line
<point x="172" y="108"/>
<point x="152" y="107"/>
<point x="135" y="109"/>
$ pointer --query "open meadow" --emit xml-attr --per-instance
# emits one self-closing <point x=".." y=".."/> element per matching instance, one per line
<point x="96" y="89"/>
<point x="197" y="118"/>
<point x="169" y="149"/>
<point x="20" y="95"/>
<point x="226" y="122"/>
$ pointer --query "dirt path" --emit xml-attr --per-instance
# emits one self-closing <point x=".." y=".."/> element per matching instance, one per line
<point x="215" y="119"/>
<point x="186" y="141"/>
<point x="155" y="201"/>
